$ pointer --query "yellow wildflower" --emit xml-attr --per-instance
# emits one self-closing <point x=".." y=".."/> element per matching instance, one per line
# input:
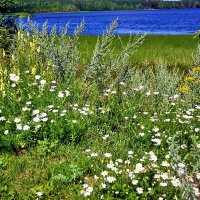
<point x="34" y="70"/>
<point x="32" y="45"/>
<point x="196" y="69"/>
<point x="20" y="35"/>
<point x="184" y="89"/>
<point x="38" y="49"/>
<point x="189" y="79"/>
<point x="4" y="53"/>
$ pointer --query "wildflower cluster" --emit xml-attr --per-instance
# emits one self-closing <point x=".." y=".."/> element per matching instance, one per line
<point x="155" y="170"/>
<point x="140" y="131"/>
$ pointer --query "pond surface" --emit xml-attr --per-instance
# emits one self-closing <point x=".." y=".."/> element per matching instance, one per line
<point x="179" y="21"/>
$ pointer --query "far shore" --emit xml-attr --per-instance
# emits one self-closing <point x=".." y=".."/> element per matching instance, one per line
<point x="24" y="14"/>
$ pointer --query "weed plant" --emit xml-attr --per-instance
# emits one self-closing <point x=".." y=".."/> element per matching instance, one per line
<point x="107" y="130"/>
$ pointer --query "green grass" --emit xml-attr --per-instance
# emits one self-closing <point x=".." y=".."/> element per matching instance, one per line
<point x="174" y="50"/>
<point x="22" y="15"/>
<point x="22" y="176"/>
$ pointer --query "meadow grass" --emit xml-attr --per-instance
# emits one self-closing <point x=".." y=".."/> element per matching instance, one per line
<point x="102" y="127"/>
<point x="175" y="50"/>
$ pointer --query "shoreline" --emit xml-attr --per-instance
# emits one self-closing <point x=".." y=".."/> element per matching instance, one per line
<point x="80" y="11"/>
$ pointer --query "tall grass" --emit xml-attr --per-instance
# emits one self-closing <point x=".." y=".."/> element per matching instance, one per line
<point x="176" y="51"/>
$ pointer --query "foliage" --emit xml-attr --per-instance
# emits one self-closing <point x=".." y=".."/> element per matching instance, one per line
<point x="104" y="130"/>
<point x="106" y="67"/>
<point x="174" y="51"/>
<point x="88" y="5"/>
<point x="6" y="5"/>
<point x="7" y="30"/>
<point x="5" y="39"/>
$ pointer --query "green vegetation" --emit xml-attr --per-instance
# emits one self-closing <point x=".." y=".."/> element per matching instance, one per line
<point x="5" y="5"/>
<point x="176" y="51"/>
<point x="7" y="30"/>
<point x="21" y="14"/>
<point x="105" y="129"/>
<point x="38" y="6"/>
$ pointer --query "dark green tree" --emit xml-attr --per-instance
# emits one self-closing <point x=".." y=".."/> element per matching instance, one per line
<point x="42" y="6"/>
<point x="5" y="5"/>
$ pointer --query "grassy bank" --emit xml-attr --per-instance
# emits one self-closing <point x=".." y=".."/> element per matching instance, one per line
<point x="174" y="50"/>
<point x="21" y="15"/>
<point x="81" y="120"/>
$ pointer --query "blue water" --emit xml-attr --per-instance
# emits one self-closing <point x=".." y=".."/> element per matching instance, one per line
<point x="180" y="21"/>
